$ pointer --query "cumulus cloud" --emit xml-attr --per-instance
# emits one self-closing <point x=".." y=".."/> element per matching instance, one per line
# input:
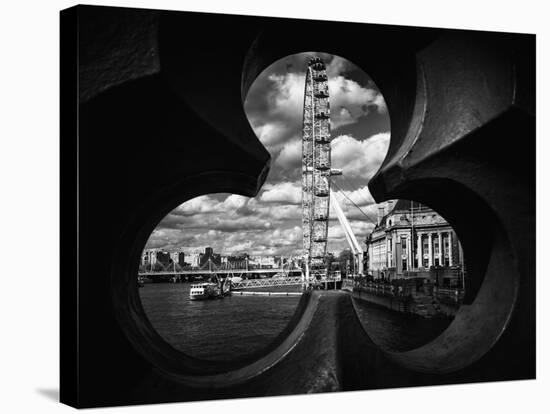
<point x="291" y="155"/>
<point x="290" y="193"/>
<point x="234" y="201"/>
<point x="203" y="204"/>
<point x="360" y="159"/>
<point x="232" y="224"/>
<point x="349" y="101"/>
<point x="337" y="66"/>
<point x="208" y="205"/>
<point x="361" y="197"/>
<point x="287" y="96"/>
<point x="239" y="224"/>
<point x="271" y="222"/>
<point x="274" y="134"/>
<point x="274" y="106"/>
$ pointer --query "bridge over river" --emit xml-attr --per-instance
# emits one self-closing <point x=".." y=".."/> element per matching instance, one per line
<point x="250" y="278"/>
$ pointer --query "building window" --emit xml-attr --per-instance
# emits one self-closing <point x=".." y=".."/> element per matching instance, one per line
<point x="425" y="262"/>
<point x="404" y="263"/>
<point x="446" y="249"/>
<point x="403" y="245"/>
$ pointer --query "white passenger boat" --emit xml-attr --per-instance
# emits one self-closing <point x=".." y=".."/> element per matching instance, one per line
<point x="203" y="291"/>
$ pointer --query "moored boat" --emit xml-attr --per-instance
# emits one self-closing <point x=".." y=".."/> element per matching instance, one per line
<point x="203" y="291"/>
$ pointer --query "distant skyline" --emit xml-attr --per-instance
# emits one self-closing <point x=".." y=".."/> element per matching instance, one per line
<point x="270" y="224"/>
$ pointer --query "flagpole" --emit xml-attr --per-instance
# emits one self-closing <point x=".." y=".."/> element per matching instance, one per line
<point x="412" y="236"/>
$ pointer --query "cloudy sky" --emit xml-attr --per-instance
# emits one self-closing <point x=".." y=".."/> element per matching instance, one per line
<point x="270" y="224"/>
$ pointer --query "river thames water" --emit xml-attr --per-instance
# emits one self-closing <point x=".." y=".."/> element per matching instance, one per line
<point x="240" y="325"/>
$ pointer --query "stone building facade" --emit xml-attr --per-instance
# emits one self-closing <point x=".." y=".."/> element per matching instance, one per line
<point x="412" y="240"/>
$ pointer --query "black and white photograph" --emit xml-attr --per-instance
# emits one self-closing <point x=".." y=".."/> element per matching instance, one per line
<point x="289" y="215"/>
<point x="250" y="204"/>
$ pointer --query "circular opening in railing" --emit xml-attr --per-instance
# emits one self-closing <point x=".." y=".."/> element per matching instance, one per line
<point x="216" y="280"/>
<point x="414" y="276"/>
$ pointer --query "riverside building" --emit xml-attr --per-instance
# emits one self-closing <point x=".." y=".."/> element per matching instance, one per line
<point x="410" y="240"/>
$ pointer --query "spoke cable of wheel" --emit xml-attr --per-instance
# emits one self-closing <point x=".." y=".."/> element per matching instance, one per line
<point x="352" y="202"/>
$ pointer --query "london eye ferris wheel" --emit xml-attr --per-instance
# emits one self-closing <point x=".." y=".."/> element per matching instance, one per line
<point x="316" y="166"/>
